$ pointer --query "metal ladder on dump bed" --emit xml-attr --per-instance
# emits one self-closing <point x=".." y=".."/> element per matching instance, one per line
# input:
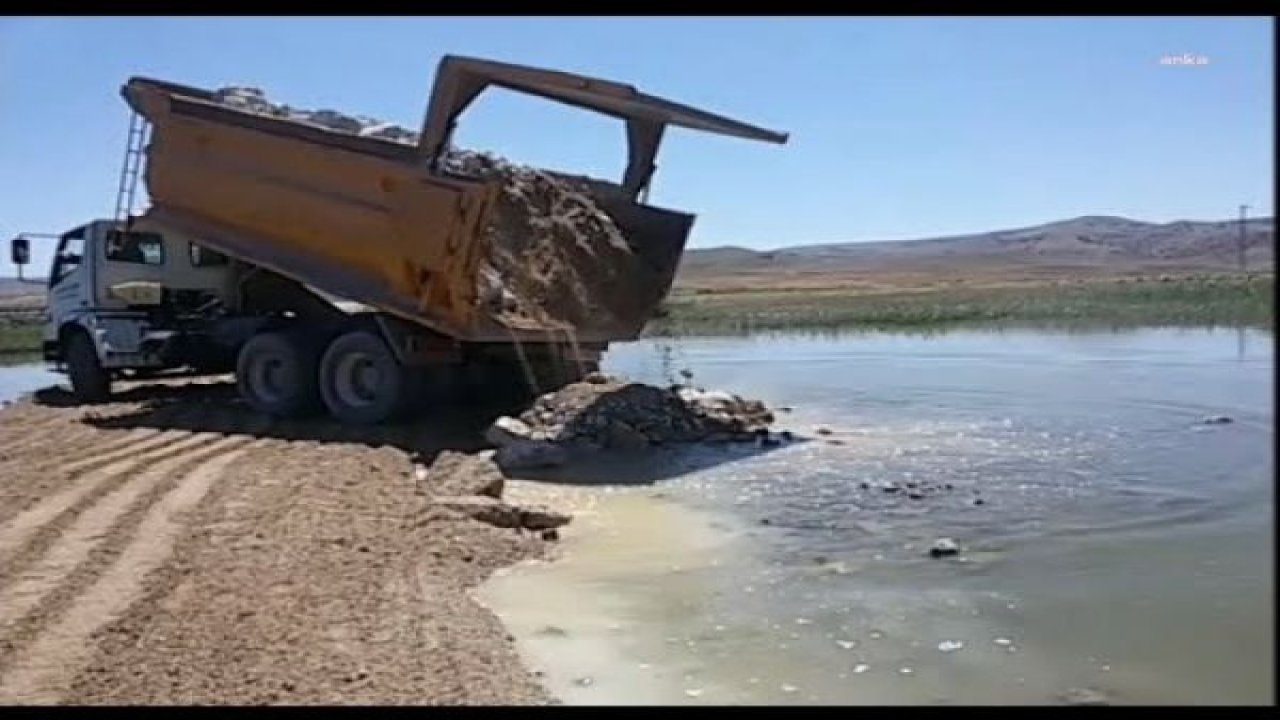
<point x="135" y="145"/>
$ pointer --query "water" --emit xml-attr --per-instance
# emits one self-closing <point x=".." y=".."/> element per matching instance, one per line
<point x="18" y="380"/>
<point x="1122" y="549"/>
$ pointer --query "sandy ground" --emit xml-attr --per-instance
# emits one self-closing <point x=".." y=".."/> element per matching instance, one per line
<point x="173" y="547"/>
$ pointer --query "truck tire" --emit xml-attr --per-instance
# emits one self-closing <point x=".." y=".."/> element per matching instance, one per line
<point x="361" y="381"/>
<point x="276" y="374"/>
<point x="90" y="383"/>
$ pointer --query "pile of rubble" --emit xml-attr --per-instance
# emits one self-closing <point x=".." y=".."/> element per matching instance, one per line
<point x="556" y="257"/>
<point x="472" y="485"/>
<point x="607" y="413"/>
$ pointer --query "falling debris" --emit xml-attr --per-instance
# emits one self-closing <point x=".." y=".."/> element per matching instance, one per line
<point x="556" y="256"/>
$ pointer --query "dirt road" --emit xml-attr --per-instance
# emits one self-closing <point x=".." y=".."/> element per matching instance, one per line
<point x="173" y="547"/>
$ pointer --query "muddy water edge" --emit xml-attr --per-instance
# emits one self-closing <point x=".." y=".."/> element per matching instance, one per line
<point x="1111" y="493"/>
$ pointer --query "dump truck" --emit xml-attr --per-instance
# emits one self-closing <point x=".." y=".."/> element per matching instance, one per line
<point x="330" y="271"/>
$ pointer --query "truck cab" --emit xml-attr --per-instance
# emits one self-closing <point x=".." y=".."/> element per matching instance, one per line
<point x="126" y="296"/>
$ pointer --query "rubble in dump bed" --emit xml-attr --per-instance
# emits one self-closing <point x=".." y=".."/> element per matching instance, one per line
<point x="556" y="257"/>
<point x="608" y="413"/>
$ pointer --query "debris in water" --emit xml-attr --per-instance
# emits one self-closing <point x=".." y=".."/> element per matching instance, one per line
<point x="693" y="692"/>
<point x="1217" y="420"/>
<point x="876" y="634"/>
<point x="1003" y="642"/>
<point x="944" y="547"/>
<point x="584" y="681"/>
<point x="950" y="645"/>
<point x="789" y="688"/>
<point x="861" y="668"/>
<point x="803" y="621"/>
<point x="905" y="670"/>
<point x="823" y="431"/>
<point x="847" y="644"/>
<point x="1084" y="696"/>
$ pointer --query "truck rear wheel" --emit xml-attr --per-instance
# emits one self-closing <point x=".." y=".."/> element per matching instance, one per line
<point x="361" y="381"/>
<point x="90" y="383"/>
<point x="276" y="374"/>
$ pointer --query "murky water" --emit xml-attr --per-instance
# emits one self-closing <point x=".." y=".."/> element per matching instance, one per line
<point x="1116" y="548"/>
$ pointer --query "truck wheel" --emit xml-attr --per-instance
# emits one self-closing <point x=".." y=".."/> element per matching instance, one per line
<point x="89" y="381"/>
<point x="276" y="374"/>
<point x="361" y="382"/>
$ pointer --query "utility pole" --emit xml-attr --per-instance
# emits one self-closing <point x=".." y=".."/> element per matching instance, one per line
<point x="1240" y="244"/>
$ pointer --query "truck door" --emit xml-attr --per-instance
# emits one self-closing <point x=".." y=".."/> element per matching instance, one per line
<point x="129" y="257"/>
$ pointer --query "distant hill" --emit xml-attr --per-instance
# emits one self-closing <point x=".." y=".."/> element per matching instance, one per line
<point x="12" y="287"/>
<point x="1084" y="242"/>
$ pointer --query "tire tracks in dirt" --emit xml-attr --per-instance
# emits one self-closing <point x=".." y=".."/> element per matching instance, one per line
<point x="31" y="529"/>
<point x="98" y="569"/>
<point x="24" y="588"/>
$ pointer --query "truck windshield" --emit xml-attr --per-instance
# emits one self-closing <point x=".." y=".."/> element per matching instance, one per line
<point x="70" y="254"/>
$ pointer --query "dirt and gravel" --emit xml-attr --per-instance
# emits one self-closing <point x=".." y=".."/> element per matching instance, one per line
<point x="172" y="547"/>
<point x="557" y="258"/>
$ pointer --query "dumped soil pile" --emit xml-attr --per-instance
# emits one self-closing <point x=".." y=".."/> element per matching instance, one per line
<point x="556" y="257"/>
<point x="603" y="412"/>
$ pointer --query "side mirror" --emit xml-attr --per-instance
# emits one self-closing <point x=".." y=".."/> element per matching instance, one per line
<point x="20" y="251"/>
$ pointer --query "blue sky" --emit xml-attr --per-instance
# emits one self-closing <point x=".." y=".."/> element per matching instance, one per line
<point x="900" y="127"/>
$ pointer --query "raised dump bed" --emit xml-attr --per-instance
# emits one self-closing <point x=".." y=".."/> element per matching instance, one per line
<point x="395" y="226"/>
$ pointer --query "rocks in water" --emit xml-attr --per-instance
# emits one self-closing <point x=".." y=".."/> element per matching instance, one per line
<point x="507" y="430"/>
<point x="550" y="535"/>
<point x="535" y="518"/>
<point x="596" y="378"/>
<point x="823" y="431"/>
<point x="459" y="474"/>
<point x="610" y="413"/>
<point x="944" y="547"/>
<point x="979" y="501"/>
<point x="504" y="515"/>
<point x="485" y="509"/>
<point x="1217" y="420"/>
<point x="530" y="455"/>
<point x="621" y="436"/>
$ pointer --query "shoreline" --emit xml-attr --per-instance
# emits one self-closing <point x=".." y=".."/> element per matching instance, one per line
<point x="605" y="651"/>
<point x="938" y="305"/>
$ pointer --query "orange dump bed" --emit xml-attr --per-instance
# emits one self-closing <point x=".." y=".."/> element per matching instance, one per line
<point x="371" y="220"/>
